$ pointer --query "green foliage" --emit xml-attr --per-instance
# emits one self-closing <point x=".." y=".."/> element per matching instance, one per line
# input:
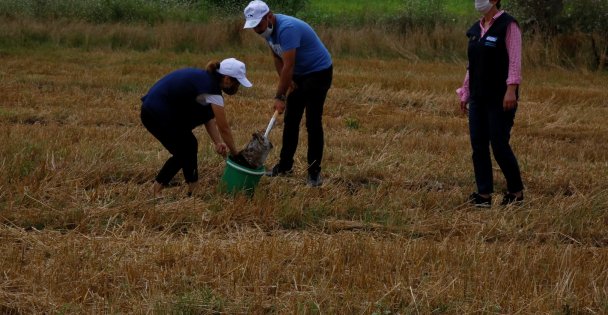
<point x="562" y="16"/>
<point x="103" y="11"/>
<point x="587" y="15"/>
<point x="541" y="14"/>
<point x="290" y="7"/>
<point x="227" y="6"/>
<point x="337" y="12"/>
<point x="129" y="11"/>
<point x="424" y="12"/>
<point x="35" y="37"/>
<point x="590" y="16"/>
<point x="404" y="18"/>
<point x="132" y="11"/>
<point x="461" y="8"/>
<point x="351" y="12"/>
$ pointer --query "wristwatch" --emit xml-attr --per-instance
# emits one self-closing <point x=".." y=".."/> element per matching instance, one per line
<point x="280" y="97"/>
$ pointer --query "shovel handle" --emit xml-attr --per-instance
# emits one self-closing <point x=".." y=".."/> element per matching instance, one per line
<point x="271" y="123"/>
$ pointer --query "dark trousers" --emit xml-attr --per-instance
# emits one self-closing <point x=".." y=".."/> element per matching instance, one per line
<point x="309" y="96"/>
<point x="490" y="125"/>
<point x="179" y="141"/>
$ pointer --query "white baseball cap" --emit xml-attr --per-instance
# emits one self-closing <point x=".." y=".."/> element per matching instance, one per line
<point x="254" y="12"/>
<point x="236" y="69"/>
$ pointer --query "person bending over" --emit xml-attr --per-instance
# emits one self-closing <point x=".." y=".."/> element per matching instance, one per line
<point x="183" y="100"/>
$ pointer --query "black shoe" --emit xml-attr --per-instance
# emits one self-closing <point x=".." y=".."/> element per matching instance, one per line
<point x="512" y="199"/>
<point x="314" y="180"/>
<point x="480" y="202"/>
<point x="277" y="170"/>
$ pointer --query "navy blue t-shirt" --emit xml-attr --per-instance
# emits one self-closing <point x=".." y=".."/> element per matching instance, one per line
<point x="174" y="97"/>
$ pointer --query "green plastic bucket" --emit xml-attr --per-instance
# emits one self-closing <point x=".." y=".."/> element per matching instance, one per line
<point x="238" y="178"/>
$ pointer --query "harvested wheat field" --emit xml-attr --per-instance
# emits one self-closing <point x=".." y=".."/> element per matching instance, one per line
<point x="389" y="231"/>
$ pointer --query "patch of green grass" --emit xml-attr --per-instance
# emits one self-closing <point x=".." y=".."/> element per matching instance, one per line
<point x="352" y="123"/>
<point x="199" y="301"/>
<point x="344" y="12"/>
<point x="299" y="215"/>
<point x="347" y="7"/>
<point x="359" y="12"/>
<point x="459" y="7"/>
<point x="153" y="12"/>
<point x="466" y="9"/>
<point x="7" y="113"/>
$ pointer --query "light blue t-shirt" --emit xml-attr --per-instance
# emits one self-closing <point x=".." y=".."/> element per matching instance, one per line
<point x="290" y="33"/>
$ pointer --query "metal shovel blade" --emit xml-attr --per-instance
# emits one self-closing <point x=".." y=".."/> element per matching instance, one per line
<point x="256" y="151"/>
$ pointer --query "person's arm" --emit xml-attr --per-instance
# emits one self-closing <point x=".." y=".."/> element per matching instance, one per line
<point x="223" y="128"/>
<point x="285" y="77"/>
<point x="514" y="43"/>
<point x="220" y="146"/>
<point x="463" y="93"/>
<point x="278" y="62"/>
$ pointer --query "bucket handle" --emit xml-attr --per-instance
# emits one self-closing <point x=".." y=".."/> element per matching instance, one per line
<point x="258" y="172"/>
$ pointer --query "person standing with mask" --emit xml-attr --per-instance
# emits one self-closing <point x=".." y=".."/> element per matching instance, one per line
<point x="305" y="72"/>
<point x="491" y="91"/>
<point x="183" y="100"/>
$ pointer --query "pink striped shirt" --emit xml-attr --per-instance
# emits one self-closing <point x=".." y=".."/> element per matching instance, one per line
<point x="514" y="43"/>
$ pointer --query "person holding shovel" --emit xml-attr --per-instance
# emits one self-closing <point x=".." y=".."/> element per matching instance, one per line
<point x="491" y="91"/>
<point x="305" y="72"/>
<point x="183" y="100"/>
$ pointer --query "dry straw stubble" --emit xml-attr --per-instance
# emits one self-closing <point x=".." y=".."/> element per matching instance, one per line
<point x="388" y="231"/>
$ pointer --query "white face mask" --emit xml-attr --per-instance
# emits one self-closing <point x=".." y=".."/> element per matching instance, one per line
<point x="483" y="6"/>
<point x="268" y="31"/>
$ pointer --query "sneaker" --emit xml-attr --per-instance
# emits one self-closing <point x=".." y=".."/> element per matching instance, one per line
<point x="278" y="171"/>
<point x="512" y="199"/>
<point x="314" y="180"/>
<point x="480" y="202"/>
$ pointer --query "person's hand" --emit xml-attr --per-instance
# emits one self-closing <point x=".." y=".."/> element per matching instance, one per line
<point x="279" y="106"/>
<point x="463" y="95"/>
<point x="510" y="100"/>
<point x="464" y="108"/>
<point x="221" y="149"/>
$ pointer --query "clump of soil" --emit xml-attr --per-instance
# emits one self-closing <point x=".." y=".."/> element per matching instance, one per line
<point x="254" y="154"/>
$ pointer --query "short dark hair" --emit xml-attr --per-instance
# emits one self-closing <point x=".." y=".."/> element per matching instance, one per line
<point x="498" y="4"/>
